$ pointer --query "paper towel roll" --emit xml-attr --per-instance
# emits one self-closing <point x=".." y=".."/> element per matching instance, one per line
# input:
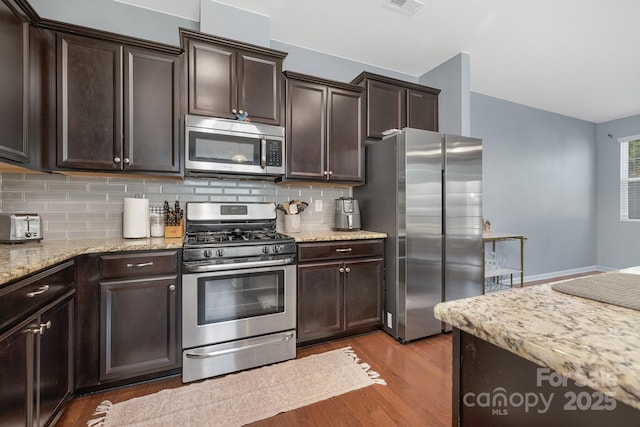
<point x="135" y="218"/>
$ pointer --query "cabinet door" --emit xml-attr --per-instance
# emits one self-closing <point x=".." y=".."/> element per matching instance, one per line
<point x="306" y="127"/>
<point x="363" y="292"/>
<point x="212" y="80"/>
<point x="56" y="359"/>
<point x="16" y="371"/>
<point x="344" y="135"/>
<point x="259" y="87"/>
<point x="385" y="108"/>
<point x="151" y="111"/>
<point x="422" y="110"/>
<point x="320" y="301"/>
<point x="138" y="333"/>
<point x="14" y="81"/>
<point x="89" y="103"/>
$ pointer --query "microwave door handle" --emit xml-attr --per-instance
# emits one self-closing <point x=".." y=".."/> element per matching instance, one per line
<point x="263" y="152"/>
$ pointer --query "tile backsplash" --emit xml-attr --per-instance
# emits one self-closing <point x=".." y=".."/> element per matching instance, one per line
<point x="80" y="207"/>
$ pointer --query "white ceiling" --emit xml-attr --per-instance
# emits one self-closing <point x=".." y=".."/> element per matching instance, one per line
<point x="580" y="58"/>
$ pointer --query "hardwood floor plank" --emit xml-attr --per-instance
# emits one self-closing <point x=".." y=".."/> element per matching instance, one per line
<point x="418" y="390"/>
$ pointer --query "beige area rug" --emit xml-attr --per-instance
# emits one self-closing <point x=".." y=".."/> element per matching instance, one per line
<point x="244" y="397"/>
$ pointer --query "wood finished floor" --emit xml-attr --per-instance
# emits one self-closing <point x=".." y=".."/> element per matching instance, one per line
<point x="418" y="390"/>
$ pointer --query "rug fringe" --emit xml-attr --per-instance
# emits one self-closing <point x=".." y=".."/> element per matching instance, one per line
<point x="102" y="409"/>
<point x="375" y="376"/>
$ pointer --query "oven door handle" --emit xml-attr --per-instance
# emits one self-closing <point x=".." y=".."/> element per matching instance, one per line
<point x="237" y="265"/>
<point x="207" y="355"/>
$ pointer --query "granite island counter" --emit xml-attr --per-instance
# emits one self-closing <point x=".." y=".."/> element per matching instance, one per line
<point x="536" y="356"/>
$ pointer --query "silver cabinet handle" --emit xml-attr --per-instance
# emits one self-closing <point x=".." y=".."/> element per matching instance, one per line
<point x="116" y="160"/>
<point x="330" y="173"/>
<point x="172" y="287"/>
<point x="40" y="290"/>
<point x="325" y="173"/>
<point x="35" y="330"/>
<point x="341" y="270"/>
<point x="347" y="269"/>
<point x="343" y="250"/>
<point x="140" y="264"/>
<point x="126" y="161"/>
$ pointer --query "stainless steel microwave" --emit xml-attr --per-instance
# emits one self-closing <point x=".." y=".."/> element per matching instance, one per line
<point x="221" y="147"/>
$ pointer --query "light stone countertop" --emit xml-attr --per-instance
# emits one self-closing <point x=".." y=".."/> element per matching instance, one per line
<point x="21" y="259"/>
<point x="594" y="343"/>
<point x="330" y="235"/>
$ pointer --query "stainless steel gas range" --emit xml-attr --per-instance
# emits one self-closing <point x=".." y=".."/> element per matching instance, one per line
<point x="238" y="289"/>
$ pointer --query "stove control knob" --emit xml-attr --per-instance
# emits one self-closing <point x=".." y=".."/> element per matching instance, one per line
<point x="220" y="252"/>
<point x="265" y="250"/>
<point x="276" y="249"/>
<point x="207" y="253"/>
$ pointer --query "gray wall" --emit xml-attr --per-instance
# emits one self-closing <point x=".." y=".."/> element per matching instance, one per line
<point x="116" y="17"/>
<point x="618" y="241"/>
<point x="454" y="110"/>
<point x="539" y="179"/>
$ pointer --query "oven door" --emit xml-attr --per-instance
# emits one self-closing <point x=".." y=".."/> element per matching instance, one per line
<point x="220" y="306"/>
<point x="215" y="150"/>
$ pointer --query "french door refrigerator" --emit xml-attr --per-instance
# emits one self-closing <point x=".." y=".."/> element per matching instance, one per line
<point x="424" y="189"/>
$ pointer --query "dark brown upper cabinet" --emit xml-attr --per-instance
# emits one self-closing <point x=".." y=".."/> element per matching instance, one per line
<point x="323" y="130"/>
<point x="395" y="104"/>
<point x="118" y="106"/>
<point x="226" y="75"/>
<point x="23" y="84"/>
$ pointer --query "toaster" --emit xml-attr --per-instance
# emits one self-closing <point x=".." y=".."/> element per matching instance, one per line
<point x="19" y="227"/>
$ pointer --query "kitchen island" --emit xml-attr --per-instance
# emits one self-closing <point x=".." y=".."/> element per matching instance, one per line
<point x="536" y="356"/>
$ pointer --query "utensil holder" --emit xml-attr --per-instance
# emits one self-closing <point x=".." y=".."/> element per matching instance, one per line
<point x="291" y="223"/>
<point x="174" y="230"/>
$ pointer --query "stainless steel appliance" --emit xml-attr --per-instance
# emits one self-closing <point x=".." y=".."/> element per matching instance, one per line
<point x="347" y="214"/>
<point x="424" y="190"/>
<point x="238" y="289"/>
<point x="20" y="227"/>
<point x="221" y="147"/>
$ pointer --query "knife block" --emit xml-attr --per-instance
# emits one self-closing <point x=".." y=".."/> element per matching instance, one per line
<point x="174" y="230"/>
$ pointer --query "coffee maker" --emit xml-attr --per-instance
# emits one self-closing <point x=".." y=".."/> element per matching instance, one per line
<point x="347" y="214"/>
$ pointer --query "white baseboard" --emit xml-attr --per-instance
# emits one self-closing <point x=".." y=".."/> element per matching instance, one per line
<point x="562" y="273"/>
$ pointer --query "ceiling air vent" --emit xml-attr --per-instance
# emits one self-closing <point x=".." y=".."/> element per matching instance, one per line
<point x="408" y="7"/>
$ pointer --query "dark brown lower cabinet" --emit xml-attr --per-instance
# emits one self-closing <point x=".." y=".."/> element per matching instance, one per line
<point x="128" y="318"/>
<point x="138" y="333"/>
<point x="339" y="297"/>
<point x="36" y="354"/>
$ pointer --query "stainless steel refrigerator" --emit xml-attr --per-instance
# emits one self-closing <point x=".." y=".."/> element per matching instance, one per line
<point x="424" y="189"/>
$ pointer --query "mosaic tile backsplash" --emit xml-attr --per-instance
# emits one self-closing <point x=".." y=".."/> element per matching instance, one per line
<point x="75" y="207"/>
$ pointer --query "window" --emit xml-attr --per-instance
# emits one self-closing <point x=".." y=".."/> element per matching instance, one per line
<point x="630" y="178"/>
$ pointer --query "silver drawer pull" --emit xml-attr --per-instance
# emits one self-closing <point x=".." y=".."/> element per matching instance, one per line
<point x="40" y="290"/>
<point x="35" y="330"/>
<point x="141" y="264"/>
<point x="207" y="355"/>
<point x="343" y="250"/>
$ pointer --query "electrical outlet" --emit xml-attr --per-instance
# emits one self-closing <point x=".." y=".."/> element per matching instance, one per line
<point x="389" y="320"/>
<point x="318" y="206"/>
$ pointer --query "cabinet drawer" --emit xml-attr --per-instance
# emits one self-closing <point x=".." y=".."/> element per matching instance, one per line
<point x="138" y="264"/>
<point x="339" y="250"/>
<point x="27" y="295"/>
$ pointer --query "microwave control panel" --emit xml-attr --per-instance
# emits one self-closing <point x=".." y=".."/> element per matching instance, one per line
<point x="274" y="153"/>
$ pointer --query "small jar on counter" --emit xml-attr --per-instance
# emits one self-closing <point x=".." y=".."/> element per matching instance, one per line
<point x="156" y="222"/>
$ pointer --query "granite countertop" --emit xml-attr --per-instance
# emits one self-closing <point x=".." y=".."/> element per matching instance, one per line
<point x="21" y="259"/>
<point x="590" y="342"/>
<point x="329" y="235"/>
